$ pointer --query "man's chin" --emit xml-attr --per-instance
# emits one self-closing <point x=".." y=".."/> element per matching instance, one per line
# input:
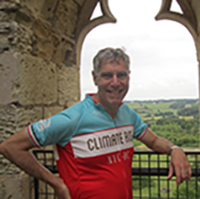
<point x="116" y="102"/>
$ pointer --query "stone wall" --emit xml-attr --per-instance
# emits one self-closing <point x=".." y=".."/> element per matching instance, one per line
<point x="38" y="72"/>
<point x="40" y="47"/>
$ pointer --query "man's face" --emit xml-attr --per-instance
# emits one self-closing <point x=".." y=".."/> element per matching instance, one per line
<point x="112" y="81"/>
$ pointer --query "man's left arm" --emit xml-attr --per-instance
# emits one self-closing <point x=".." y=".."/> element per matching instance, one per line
<point x="179" y="162"/>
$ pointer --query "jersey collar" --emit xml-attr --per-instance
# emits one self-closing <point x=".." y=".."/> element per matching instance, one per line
<point x="92" y="94"/>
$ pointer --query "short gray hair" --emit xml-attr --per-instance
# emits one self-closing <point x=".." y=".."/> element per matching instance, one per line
<point x="109" y="55"/>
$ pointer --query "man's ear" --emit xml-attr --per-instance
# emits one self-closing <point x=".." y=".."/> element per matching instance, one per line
<point x="94" y="78"/>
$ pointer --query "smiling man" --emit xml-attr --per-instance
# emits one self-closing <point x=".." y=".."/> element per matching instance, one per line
<point x="112" y="79"/>
<point x="94" y="139"/>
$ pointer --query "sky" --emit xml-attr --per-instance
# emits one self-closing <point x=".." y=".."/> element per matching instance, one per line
<point x="162" y="53"/>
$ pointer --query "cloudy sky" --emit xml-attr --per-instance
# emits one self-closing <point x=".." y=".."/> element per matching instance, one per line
<point x="163" y="56"/>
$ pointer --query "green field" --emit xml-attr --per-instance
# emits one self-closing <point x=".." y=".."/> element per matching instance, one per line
<point x="156" y="107"/>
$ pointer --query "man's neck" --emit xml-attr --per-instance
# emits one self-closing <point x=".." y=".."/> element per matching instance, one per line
<point x="111" y="111"/>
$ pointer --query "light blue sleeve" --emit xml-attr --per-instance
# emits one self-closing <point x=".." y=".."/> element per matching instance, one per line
<point x="57" y="129"/>
<point x="140" y="127"/>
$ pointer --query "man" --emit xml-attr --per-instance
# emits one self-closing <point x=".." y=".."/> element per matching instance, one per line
<point x="93" y="139"/>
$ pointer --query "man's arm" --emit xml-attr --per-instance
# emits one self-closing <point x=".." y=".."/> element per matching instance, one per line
<point x="179" y="162"/>
<point x="16" y="149"/>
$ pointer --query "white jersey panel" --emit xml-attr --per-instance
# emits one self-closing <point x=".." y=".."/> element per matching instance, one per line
<point x="103" y="142"/>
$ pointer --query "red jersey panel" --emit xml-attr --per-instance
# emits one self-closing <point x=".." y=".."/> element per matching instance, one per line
<point x="98" y="165"/>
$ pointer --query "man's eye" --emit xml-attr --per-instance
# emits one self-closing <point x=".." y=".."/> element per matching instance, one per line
<point x="107" y="75"/>
<point x="122" y="75"/>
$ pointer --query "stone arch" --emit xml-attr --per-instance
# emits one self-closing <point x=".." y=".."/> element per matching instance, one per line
<point x="83" y="30"/>
<point x="39" y="62"/>
<point x="133" y="18"/>
<point x="190" y="19"/>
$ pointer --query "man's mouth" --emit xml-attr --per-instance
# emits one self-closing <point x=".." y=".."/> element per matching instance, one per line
<point x="115" y="92"/>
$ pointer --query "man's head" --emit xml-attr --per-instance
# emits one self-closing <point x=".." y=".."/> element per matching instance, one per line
<point x="111" y="76"/>
<point x="109" y="55"/>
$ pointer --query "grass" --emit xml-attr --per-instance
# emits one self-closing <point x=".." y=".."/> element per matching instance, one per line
<point x="155" y="160"/>
<point x="152" y="108"/>
<point x="157" y="190"/>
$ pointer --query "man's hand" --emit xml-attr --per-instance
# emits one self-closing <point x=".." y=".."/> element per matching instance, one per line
<point x="62" y="192"/>
<point x="16" y="149"/>
<point x="179" y="162"/>
<point x="180" y="165"/>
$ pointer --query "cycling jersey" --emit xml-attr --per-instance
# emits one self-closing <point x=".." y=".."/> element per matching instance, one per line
<point x="93" y="151"/>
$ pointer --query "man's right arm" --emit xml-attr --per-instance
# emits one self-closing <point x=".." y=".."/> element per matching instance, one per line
<point x="16" y="149"/>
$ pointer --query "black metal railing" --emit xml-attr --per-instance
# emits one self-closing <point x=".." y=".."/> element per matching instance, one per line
<point x="149" y="176"/>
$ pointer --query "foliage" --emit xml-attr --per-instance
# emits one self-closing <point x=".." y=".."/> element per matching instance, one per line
<point x="175" y="120"/>
<point x="179" y="131"/>
<point x="189" y="111"/>
<point x="180" y="104"/>
<point x="164" y="113"/>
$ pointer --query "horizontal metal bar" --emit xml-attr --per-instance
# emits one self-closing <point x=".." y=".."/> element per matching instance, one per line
<point x="145" y="171"/>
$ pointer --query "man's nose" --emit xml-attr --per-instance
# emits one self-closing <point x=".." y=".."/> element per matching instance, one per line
<point x="115" y="80"/>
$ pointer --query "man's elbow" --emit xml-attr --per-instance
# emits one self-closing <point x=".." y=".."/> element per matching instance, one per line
<point x="2" y="148"/>
<point x="5" y="149"/>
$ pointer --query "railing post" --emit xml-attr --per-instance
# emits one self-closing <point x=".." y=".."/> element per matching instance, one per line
<point x="36" y="188"/>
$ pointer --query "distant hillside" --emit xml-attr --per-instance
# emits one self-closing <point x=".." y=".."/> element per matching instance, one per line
<point x="178" y="107"/>
<point x="163" y="101"/>
<point x="176" y="120"/>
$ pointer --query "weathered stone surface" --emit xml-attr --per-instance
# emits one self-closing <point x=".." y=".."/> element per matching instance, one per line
<point x="68" y="85"/>
<point x="7" y="30"/>
<point x="8" y="33"/>
<point x="50" y="45"/>
<point x="15" y="187"/>
<point x="79" y="2"/>
<point x="196" y="6"/>
<point x="8" y="75"/>
<point x="66" y="17"/>
<point x="33" y="7"/>
<point x="64" y="53"/>
<point x="23" y="38"/>
<point x="44" y="41"/>
<point x="14" y="118"/>
<point x="37" y="81"/>
<point x="48" y="10"/>
<point x="7" y="121"/>
<point x="28" y="115"/>
<point x="7" y="10"/>
<point x="4" y="27"/>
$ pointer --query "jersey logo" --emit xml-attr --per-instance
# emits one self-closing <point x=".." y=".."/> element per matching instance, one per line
<point x="43" y="124"/>
<point x="103" y="142"/>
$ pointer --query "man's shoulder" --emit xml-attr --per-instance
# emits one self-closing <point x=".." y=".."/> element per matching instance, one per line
<point x="79" y="108"/>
